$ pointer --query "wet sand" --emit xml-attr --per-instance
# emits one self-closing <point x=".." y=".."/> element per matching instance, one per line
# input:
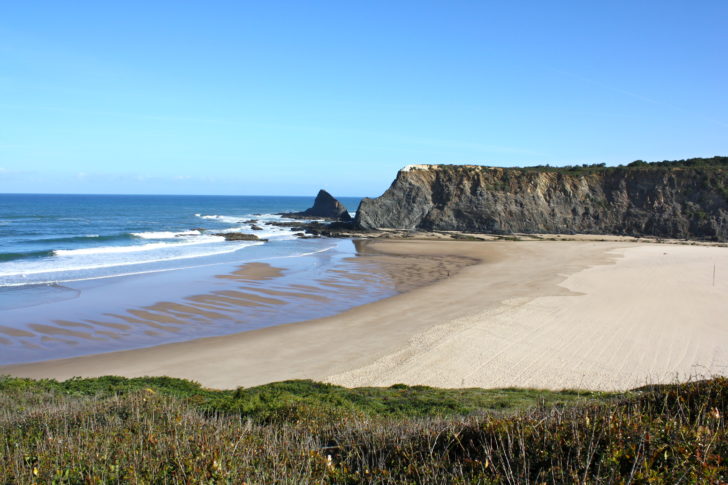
<point x="548" y="314"/>
<point x="208" y="300"/>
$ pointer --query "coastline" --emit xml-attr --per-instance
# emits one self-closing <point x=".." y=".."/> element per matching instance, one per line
<point x="528" y="314"/>
<point x="305" y="280"/>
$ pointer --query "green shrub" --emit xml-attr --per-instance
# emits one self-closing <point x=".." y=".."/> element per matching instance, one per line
<point x="114" y="430"/>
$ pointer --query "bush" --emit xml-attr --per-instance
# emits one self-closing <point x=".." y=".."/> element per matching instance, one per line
<point x="315" y="434"/>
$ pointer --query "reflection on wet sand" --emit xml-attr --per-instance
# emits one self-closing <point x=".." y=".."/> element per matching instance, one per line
<point x="294" y="294"/>
<point x="117" y="326"/>
<point x="52" y="330"/>
<point x="14" y="332"/>
<point x="186" y="311"/>
<point x="59" y="340"/>
<point x="139" y="321"/>
<point x="66" y="323"/>
<point x="406" y="272"/>
<point x="254" y="272"/>
<point x="256" y="295"/>
<point x="156" y="317"/>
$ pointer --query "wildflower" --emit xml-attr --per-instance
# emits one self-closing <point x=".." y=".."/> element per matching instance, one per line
<point x="35" y="471"/>
<point x="714" y="413"/>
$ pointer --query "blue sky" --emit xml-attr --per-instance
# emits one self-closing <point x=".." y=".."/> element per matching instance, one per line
<point x="284" y="98"/>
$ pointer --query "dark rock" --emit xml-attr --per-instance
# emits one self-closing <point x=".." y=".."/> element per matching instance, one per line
<point x="198" y="229"/>
<point x="251" y="221"/>
<point x="319" y="228"/>
<point x="256" y="228"/>
<point x="324" y="207"/>
<point x="239" y="236"/>
<point x="661" y="201"/>
<point x="301" y="235"/>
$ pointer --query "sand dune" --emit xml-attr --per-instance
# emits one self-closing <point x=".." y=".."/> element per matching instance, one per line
<point x="596" y="315"/>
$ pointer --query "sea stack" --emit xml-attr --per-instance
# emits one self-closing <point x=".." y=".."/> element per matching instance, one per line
<point x="325" y="206"/>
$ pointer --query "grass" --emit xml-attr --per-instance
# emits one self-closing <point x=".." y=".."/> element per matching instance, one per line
<point x="161" y="430"/>
<point x="283" y="400"/>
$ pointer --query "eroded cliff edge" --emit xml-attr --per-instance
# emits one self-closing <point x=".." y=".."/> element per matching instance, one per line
<point x="685" y="199"/>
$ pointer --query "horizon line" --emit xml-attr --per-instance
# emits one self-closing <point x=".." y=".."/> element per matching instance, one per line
<point x="173" y="195"/>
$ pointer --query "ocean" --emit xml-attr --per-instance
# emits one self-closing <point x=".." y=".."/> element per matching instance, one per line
<point x="84" y="274"/>
<point x="48" y="239"/>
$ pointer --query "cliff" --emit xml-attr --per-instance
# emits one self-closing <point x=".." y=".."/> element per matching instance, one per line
<point x="685" y="199"/>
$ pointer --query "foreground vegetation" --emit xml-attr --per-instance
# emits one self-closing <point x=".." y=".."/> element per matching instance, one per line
<point x="161" y="430"/>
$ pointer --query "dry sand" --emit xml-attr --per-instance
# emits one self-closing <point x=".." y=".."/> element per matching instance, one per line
<point x="595" y="315"/>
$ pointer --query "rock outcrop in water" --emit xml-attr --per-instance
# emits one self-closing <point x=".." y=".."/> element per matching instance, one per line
<point x="325" y="206"/>
<point x="239" y="236"/>
<point x="686" y="199"/>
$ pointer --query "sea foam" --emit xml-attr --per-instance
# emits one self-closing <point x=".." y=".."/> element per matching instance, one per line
<point x="137" y="248"/>
<point x="164" y="234"/>
<point x="72" y="264"/>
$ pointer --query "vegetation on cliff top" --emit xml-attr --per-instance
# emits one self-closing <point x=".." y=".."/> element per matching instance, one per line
<point x="716" y="162"/>
<point x="711" y="163"/>
<point x="160" y="430"/>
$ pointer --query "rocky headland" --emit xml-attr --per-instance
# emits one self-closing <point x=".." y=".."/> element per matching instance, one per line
<point x="682" y="199"/>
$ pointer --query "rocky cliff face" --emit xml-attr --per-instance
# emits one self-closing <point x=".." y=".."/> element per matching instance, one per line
<point x="325" y="206"/>
<point x="675" y="202"/>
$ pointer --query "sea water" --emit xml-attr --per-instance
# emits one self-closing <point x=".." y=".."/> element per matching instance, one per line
<point x="48" y="239"/>
<point x="82" y="274"/>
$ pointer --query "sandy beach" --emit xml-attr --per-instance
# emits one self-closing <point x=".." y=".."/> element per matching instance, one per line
<point x="547" y="314"/>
